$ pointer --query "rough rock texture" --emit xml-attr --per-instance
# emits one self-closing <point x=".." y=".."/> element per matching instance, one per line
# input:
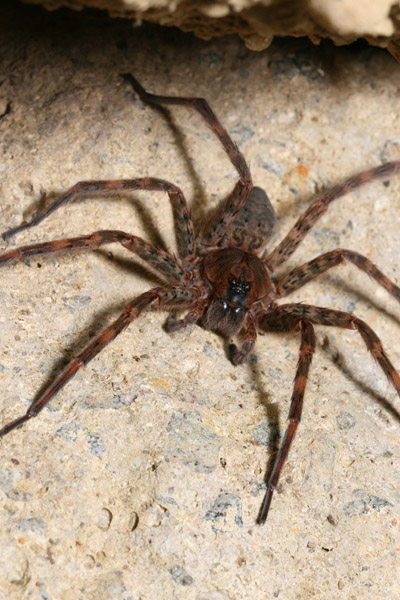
<point x="144" y="476"/>
<point x="257" y="22"/>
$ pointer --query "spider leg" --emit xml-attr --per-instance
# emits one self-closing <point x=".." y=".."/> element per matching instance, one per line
<point x="183" y="223"/>
<point x="320" y="205"/>
<point x="162" y="296"/>
<point x="239" y="355"/>
<point x="215" y="228"/>
<point x="307" y="348"/>
<point x="301" y="275"/>
<point x="285" y="316"/>
<point x="202" y="107"/>
<point x="160" y="260"/>
<point x="217" y="223"/>
<point x="192" y="317"/>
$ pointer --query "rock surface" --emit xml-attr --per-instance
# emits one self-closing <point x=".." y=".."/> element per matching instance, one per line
<point x="257" y="21"/>
<point x="144" y="476"/>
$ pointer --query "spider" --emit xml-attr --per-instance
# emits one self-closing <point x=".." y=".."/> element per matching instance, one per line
<point x="223" y="277"/>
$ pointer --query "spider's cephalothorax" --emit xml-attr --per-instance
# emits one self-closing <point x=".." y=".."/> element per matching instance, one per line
<point x="222" y="277"/>
<point x="239" y="279"/>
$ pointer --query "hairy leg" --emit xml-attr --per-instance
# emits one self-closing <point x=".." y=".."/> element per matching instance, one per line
<point x="239" y="355"/>
<point x="192" y="317"/>
<point x="161" y="296"/>
<point x="307" y="348"/>
<point x="301" y="275"/>
<point x="308" y="219"/>
<point x="159" y="260"/>
<point x="183" y="223"/>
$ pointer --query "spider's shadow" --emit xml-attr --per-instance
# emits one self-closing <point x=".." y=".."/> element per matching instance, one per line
<point x="272" y="410"/>
<point x="198" y="205"/>
<point x="131" y="267"/>
<point x="337" y="359"/>
<point x="272" y="413"/>
<point x="342" y="284"/>
<point x="99" y="322"/>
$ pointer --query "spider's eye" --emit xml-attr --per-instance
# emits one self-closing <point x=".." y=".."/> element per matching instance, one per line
<point x="224" y="305"/>
<point x="238" y="310"/>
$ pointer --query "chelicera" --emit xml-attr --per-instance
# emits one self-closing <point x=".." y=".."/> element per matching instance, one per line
<point x="223" y="276"/>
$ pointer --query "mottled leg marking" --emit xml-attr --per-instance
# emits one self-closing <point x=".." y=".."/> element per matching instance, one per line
<point x="307" y="348"/>
<point x="216" y="225"/>
<point x="158" y="259"/>
<point x="308" y="219"/>
<point x="301" y="275"/>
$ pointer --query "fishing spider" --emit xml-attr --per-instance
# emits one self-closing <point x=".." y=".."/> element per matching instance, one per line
<point x="222" y="276"/>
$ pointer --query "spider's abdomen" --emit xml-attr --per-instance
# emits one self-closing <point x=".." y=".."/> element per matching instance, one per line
<point x="238" y="279"/>
<point x="254" y="226"/>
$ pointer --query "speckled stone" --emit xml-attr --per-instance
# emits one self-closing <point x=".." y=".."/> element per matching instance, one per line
<point x="144" y="476"/>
